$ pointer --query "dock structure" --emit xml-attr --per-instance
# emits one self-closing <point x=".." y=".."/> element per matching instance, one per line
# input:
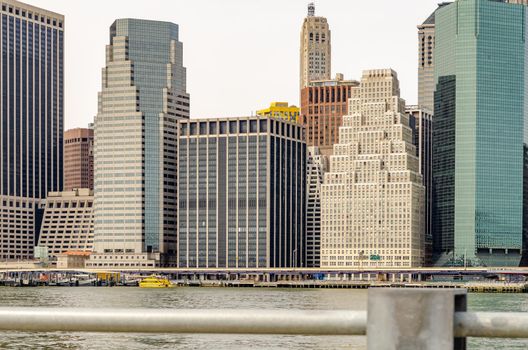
<point x="478" y="280"/>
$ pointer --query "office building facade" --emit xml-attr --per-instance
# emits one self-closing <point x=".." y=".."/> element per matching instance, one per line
<point x="78" y="159"/>
<point x="323" y="105"/>
<point x="67" y="224"/>
<point x="479" y="133"/>
<point x="241" y="189"/>
<point x="426" y="57"/>
<point x="20" y="220"/>
<point x="31" y="128"/>
<point x="372" y="198"/>
<point x="421" y="122"/>
<point x="316" y="166"/>
<point x="316" y="49"/>
<point x="143" y="96"/>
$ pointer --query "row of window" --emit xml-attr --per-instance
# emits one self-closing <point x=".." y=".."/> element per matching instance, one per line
<point x="31" y="15"/>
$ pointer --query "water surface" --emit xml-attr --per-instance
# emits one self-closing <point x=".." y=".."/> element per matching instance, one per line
<point x="206" y="298"/>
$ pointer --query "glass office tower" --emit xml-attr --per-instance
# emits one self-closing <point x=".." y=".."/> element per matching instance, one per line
<point x="242" y="193"/>
<point x="143" y="96"/>
<point x="31" y="127"/>
<point x="479" y="133"/>
<point x="32" y="104"/>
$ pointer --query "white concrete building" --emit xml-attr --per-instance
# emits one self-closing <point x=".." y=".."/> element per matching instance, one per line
<point x="372" y="199"/>
<point x="19" y="221"/>
<point x="68" y="222"/>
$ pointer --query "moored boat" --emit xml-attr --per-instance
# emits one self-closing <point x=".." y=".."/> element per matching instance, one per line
<point x="155" y="282"/>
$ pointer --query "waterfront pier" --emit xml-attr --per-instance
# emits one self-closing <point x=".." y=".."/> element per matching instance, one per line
<point x="513" y="280"/>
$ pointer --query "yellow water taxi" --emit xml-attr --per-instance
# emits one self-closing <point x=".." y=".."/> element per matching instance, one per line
<point x="155" y="282"/>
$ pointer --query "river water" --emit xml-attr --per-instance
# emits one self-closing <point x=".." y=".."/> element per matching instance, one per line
<point x="203" y="298"/>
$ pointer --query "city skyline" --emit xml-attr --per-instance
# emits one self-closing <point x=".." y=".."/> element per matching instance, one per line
<point x="244" y="49"/>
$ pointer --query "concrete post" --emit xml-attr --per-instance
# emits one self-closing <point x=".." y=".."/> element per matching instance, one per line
<point x="414" y="319"/>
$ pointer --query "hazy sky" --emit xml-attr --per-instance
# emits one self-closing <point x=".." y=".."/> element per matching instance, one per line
<point x="242" y="54"/>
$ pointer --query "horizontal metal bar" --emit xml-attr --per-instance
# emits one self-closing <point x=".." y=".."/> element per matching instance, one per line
<point x="304" y="322"/>
<point x="491" y="324"/>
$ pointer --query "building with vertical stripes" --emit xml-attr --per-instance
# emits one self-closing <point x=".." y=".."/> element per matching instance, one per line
<point x="241" y="193"/>
<point x="480" y="134"/>
<point x="421" y="122"/>
<point x="323" y="105"/>
<point x="78" y="158"/>
<point x="316" y="165"/>
<point x="143" y="96"/>
<point x="32" y="114"/>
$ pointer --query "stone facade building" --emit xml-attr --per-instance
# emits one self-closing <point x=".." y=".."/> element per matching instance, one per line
<point x="315" y="52"/>
<point x="372" y="199"/>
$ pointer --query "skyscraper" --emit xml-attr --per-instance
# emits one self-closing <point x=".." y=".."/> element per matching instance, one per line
<point x="316" y="54"/>
<point x="426" y="57"/>
<point x="143" y="96"/>
<point x="241" y="189"/>
<point x="78" y="159"/>
<point x="316" y="166"/>
<point x="479" y="133"/>
<point x="372" y="199"/>
<point x="421" y="122"/>
<point x="31" y="128"/>
<point x="323" y="105"/>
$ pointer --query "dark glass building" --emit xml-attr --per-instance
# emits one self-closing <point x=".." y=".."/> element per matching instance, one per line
<point x="241" y="193"/>
<point x="32" y="104"/>
<point x="421" y="123"/>
<point x="31" y="127"/>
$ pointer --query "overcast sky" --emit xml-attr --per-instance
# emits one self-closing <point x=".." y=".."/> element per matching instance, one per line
<point x="242" y="54"/>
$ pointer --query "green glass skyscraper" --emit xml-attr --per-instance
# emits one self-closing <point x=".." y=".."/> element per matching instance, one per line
<point x="479" y="133"/>
<point x="142" y="99"/>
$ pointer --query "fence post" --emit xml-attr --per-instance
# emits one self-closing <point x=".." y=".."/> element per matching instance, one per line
<point x="414" y="319"/>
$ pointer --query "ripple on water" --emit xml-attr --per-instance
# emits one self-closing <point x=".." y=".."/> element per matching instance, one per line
<point x="206" y="298"/>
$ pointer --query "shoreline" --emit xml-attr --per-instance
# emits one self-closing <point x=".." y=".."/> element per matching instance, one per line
<point x="471" y="287"/>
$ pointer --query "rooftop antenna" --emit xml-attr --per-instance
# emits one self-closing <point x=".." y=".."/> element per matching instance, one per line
<point x="311" y="9"/>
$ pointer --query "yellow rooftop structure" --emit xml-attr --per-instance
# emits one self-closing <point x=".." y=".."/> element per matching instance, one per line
<point x="281" y="110"/>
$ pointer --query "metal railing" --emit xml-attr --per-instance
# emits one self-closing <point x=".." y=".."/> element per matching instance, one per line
<point x="185" y="321"/>
<point x="396" y="319"/>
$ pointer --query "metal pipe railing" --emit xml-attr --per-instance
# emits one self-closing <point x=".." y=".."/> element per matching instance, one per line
<point x="309" y="322"/>
<point x="491" y="324"/>
<point x="415" y="319"/>
<point x="312" y="322"/>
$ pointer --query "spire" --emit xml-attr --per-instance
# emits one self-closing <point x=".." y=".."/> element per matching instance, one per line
<point x="311" y="9"/>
